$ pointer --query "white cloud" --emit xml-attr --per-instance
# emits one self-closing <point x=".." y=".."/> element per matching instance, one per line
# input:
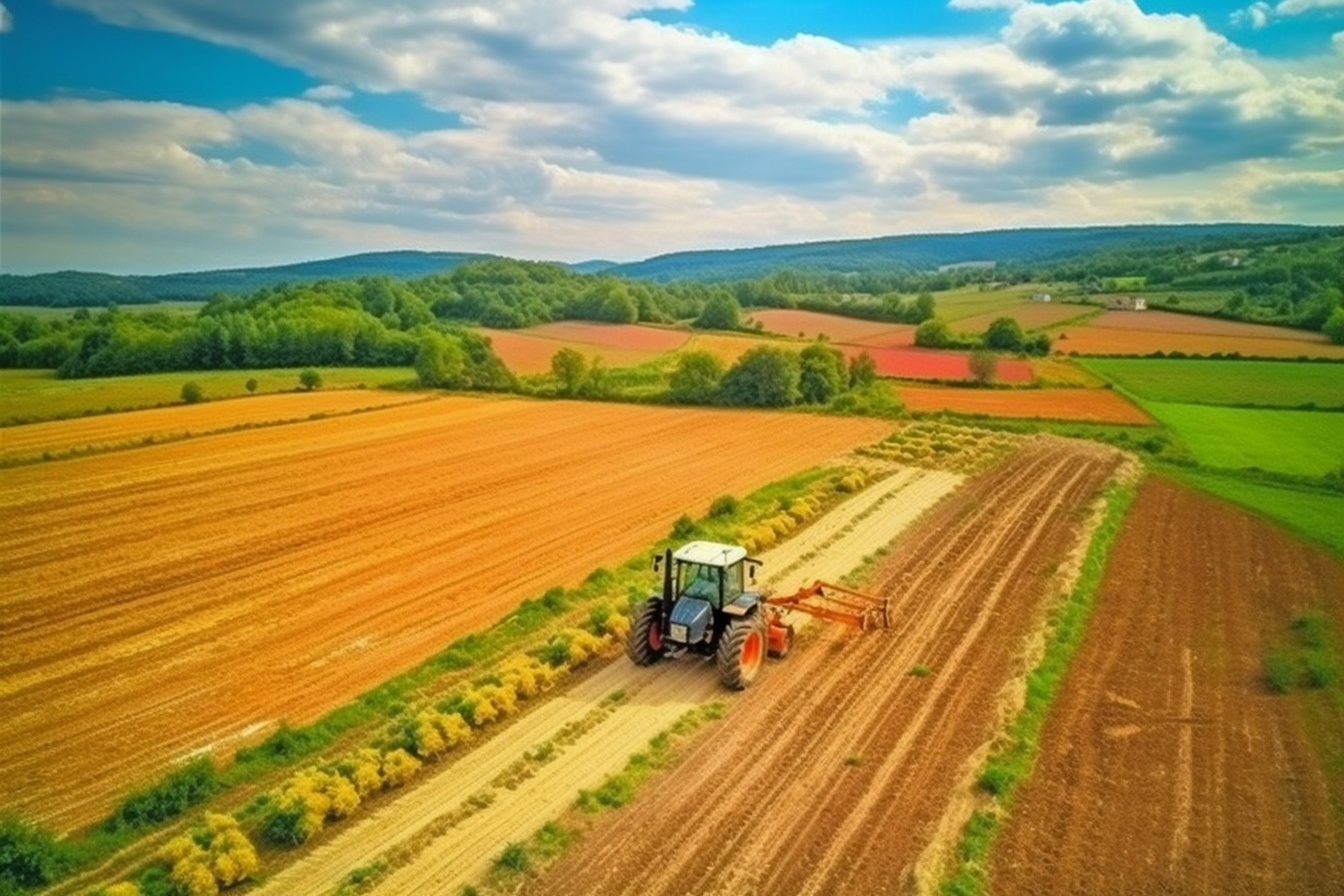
<point x="327" y="93"/>
<point x="593" y="132"/>
<point x="1298" y="7"/>
<point x="6" y="20"/>
<point x="1256" y="15"/>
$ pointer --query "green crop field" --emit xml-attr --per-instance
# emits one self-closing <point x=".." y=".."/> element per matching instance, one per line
<point x="1317" y="515"/>
<point x="1309" y="443"/>
<point x="27" y="396"/>
<point x="46" y="313"/>
<point x="1259" y="383"/>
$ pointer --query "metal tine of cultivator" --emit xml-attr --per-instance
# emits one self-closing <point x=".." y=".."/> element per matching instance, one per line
<point x="837" y="603"/>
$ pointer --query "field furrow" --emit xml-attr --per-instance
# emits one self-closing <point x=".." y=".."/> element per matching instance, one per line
<point x="830" y="776"/>
<point x="168" y="598"/>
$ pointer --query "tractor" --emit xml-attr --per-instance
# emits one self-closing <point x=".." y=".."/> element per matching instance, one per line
<point x="709" y="605"/>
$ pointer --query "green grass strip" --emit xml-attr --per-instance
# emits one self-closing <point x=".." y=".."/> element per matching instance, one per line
<point x="1009" y="764"/>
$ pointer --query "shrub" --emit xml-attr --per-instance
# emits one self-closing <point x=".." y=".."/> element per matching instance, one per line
<point x="310" y="379"/>
<point x="1280" y="671"/>
<point x="1319" y="669"/>
<point x="251" y="385"/>
<point x="684" y="528"/>
<point x="513" y="858"/>
<point x="696" y="378"/>
<point x="189" y="786"/>
<point x="30" y="856"/>
<point x="192" y="392"/>
<point x="398" y="767"/>
<point x="724" y="505"/>
<point x="364" y="771"/>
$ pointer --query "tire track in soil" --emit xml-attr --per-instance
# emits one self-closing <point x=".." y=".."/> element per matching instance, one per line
<point x="831" y="774"/>
<point x="655" y="698"/>
<point x="1166" y="766"/>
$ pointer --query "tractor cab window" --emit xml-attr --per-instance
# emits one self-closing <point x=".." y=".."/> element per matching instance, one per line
<point x="733" y="585"/>
<point x="699" y="580"/>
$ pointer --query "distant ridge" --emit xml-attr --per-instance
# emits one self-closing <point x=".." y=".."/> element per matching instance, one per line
<point x="916" y="252"/>
<point x="930" y="251"/>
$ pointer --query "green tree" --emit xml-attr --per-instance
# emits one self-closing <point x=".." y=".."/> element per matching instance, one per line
<point x="251" y="385"/>
<point x="696" y="378"/>
<point x="933" y="333"/>
<point x="821" y="373"/>
<point x="862" y="370"/>
<point x="1334" y="327"/>
<point x="192" y="392"/>
<point x="570" y="370"/>
<point x="310" y="379"/>
<point x="924" y="309"/>
<point x="1004" y="334"/>
<point x="440" y="361"/>
<point x="984" y="366"/>
<point x="763" y="377"/>
<point x="721" y="312"/>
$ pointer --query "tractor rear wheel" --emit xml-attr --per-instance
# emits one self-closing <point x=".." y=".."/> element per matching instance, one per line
<point x="741" y="652"/>
<point x="644" y="643"/>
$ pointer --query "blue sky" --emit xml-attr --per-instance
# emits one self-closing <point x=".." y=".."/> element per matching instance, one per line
<point x="144" y="136"/>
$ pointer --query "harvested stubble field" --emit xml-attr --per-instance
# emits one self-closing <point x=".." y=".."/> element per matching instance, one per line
<point x="530" y="351"/>
<point x="165" y="599"/>
<point x="106" y="432"/>
<point x="1029" y="315"/>
<point x="1146" y="332"/>
<point x="1167" y="766"/>
<point x="834" y="774"/>
<point x="812" y="324"/>
<point x="1090" y="405"/>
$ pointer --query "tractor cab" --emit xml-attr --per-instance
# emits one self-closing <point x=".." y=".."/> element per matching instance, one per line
<point x="715" y="573"/>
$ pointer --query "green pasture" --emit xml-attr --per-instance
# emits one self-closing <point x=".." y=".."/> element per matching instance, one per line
<point x="1305" y="443"/>
<point x="1316" y="514"/>
<point x="969" y="301"/>
<point x="1259" y="383"/>
<point x="27" y="396"/>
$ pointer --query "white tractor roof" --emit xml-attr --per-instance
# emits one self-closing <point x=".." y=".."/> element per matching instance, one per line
<point x="710" y="553"/>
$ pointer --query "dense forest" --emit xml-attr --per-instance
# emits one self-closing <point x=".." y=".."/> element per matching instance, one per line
<point x="378" y="320"/>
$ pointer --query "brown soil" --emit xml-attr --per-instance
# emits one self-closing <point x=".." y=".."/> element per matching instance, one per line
<point x="1166" y="766"/>
<point x="429" y="855"/>
<point x="1090" y="405"/>
<point x="167" y="599"/>
<point x="830" y="775"/>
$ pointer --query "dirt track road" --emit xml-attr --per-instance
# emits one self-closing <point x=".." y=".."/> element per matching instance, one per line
<point x="1166" y="765"/>
<point x="655" y="698"/>
<point x="832" y="774"/>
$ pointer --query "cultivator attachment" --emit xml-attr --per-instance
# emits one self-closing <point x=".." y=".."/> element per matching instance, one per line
<point x="836" y="603"/>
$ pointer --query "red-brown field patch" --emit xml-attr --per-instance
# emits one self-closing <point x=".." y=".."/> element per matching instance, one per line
<point x="1166" y="765"/>
<point x="1145" y="332"/>
<point x="928" y="364"/>
<point x="161" y="600"/>
<point x="1086" y="405"/>
<point x="1029" y="315"/>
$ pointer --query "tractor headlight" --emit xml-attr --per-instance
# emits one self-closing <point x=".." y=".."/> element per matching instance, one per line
<point x="678" y="633"/>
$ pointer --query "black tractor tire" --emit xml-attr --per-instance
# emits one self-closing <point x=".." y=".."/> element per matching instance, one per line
<point x="742" y="652"/>
<point x="644" y="644"/>
<point x="788" y="644"/>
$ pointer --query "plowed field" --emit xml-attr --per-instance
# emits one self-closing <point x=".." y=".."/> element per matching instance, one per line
<point x="431" y="859"/>
<point x="1167" y="766"/>
<point x="1092" y="405"/>
<point x="1145" y="332"/>
<point x="167" y="598"/>
<point x="831" y="776"/>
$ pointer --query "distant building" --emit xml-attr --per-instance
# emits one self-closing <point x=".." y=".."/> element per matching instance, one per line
<point x="1127" y="303"/>
<point x="1040" y="297"/>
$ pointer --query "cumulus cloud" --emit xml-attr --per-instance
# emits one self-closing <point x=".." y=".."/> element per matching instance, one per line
<point x="325" y="93"/>
<point x="1298" y="7"/>
<point x="6" y="20"/>
<point x="589" y="130"/>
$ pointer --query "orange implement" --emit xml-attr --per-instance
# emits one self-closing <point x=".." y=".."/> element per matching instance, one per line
<point x="837" y="603"/>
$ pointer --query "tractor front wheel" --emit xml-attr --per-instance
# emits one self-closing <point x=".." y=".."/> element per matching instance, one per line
<point x="644" y="643"/>
<point x="741" y="652"/>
